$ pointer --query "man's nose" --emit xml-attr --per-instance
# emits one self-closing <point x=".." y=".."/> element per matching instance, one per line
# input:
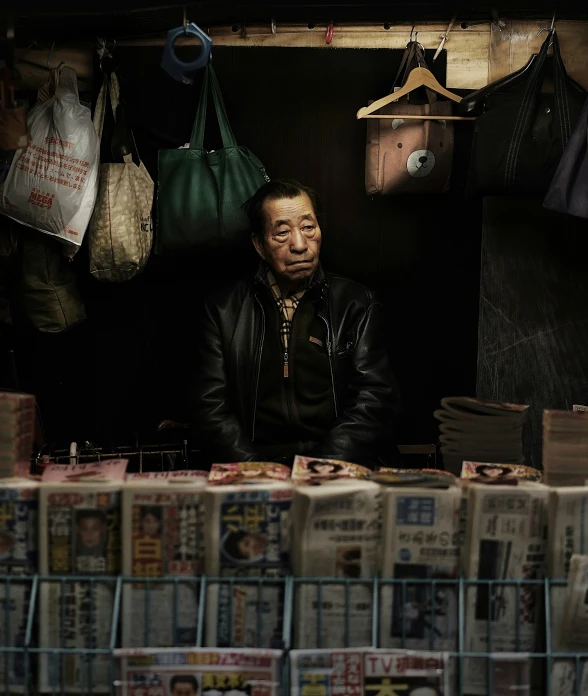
<point x="298" y="242"/>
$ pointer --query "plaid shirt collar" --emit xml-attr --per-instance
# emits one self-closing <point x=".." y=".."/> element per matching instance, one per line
<point x="286" y="306"/>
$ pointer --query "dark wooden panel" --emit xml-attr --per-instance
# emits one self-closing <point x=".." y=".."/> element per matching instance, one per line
<point x="533" y="332"/>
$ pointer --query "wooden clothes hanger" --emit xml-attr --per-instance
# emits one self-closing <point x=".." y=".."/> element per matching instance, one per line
<point x="419" y="77"/>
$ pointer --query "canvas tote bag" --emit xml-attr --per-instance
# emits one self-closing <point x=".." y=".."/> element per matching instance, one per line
<point x="408" y="155"/>
<point x="121" y="230"/>
<point x="200" y="193"/>
<point x="568" y="192"/>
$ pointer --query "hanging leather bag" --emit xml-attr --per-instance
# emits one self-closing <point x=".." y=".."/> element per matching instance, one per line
<point x="519" y="140"/>
<point x="568" y="192"/>
<point x="409" y="155"/>
<point x="120" y="230"/>
<point x="200" y="193"/>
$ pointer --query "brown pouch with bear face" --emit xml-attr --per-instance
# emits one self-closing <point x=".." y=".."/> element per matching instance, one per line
<point x="409" y="155"/>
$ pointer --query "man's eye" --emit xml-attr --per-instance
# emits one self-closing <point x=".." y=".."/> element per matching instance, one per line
<point x="307" y="228"/>
<point x="282" y="233"/>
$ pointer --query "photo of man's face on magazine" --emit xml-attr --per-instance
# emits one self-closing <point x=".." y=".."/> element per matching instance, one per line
<point x="90" y="532"/>
<point x="184" y="685"/>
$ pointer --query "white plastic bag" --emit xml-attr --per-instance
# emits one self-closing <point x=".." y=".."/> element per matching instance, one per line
<point x="52" y="184"/>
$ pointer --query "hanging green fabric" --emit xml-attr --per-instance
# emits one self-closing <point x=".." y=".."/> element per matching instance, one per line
<point x="200" y="193"/>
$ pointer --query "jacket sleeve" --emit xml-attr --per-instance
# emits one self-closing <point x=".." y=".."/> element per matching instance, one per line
<point x="365" y="424"/>
<point x="219" y="431"/>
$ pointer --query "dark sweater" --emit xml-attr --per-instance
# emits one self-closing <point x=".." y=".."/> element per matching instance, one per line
<point x="294" y="412"/>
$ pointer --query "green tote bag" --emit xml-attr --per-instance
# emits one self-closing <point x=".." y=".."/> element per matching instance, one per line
<point x="200" y="193"/>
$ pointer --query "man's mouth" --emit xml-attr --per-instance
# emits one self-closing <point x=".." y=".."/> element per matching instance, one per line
<point x="300" y="263"/>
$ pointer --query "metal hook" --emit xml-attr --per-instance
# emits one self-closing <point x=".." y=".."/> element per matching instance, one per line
<point x="243" y="31"/>
<point x="410" y="39"/>
<point x="185" y="19"/>
<point x="551" y="28"/>
<point x="50" y="56"/>
<point x="273" y="25"/>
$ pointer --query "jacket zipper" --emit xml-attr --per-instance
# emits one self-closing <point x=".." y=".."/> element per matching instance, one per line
<point x="330" y="354"/>
<point x="258" y="368"/>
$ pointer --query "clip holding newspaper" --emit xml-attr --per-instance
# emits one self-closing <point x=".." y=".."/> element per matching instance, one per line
<point x="368" y="672"/>
<point x="247" y="535"/>
<point x="420" y="539"/>
<point x="18" y="558"/>
<point x="505" y="541"/>
<point x="162" y="536"/>
<point x="199" y="672"/>
<point x="81" y="537"/>
<point x="336" y="534"/>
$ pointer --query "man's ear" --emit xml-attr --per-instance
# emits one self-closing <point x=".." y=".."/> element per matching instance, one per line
<point x="258" y="244"/>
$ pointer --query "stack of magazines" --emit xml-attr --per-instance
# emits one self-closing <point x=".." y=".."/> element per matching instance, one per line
<point x="17" y="424"/>
<point x="565" y="448"/>
<point x="478" y="430"/>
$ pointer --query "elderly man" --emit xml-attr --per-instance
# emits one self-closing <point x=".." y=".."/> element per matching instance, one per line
<point x="292" y="361"/>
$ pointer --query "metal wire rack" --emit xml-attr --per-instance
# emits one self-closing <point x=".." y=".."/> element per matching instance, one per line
<point x="21" y="661"/>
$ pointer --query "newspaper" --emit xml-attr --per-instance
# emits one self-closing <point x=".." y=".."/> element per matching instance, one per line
<point x="357" y="671"/>
<point x="175" y="476"/>
<point x="80" y="536"/>
<point x="336" y="534"/>
<point x="92" y="472"/>
<point x="18" y="558"/>
<point x="511" y="674"/>
<point x="247" y="535"/>
<point x="312" y="470"/>
<point x="567" y="535"/>
<point x="162" y="535"/>
<point x="569" y="678"/>
<point x="505" y="541"/>
<point x="574" y="628"/>
<point x="248" y="472"/>
<point x="199" y="672"/>
<point x="420" y="539"/>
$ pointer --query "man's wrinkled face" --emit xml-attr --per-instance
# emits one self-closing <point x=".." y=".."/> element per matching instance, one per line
<point x="183" y="689"/>
<point x="292" y="240"/>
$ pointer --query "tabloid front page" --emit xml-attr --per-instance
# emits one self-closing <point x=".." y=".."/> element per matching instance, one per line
<point x="81" y="537"/>
<point x="420" y="539"/>
<point x="247" y="535"/>
<point x="199" y="672"/>
<point x="505" y="541"/>
<point x="163" y="535"/>
<point x="336" y="534"/>
<point x="18" y="558"/>
<point x="368" y="672"/>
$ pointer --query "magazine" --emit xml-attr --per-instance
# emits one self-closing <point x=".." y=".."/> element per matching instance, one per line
<point x="248" y="472"/>
<point x="162" y="536"/>
<point x="420" y="539"/>
<point x="369" y="672"/>
<point x="247" y="535"/>
<point x="312" y="470"/>
<point x="199" y="672"/>
<point x="174" y="476"/>
<point x="505" y="541"/>
<point x="18" y="558"/>
<point x="499" y="474"/>
<point x="81" y="537"/>
<point x="569" y="678"/>
<point x="336" y="534"/>
<point x="92" y="472"/>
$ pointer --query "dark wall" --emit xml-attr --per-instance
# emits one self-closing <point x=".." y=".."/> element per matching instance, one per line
<point x="295" y="109"/>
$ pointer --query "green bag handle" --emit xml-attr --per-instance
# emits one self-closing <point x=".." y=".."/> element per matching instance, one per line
<point x="197" y="137"/>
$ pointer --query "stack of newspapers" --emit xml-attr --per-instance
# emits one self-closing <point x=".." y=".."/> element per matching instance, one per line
<point x="565" y="448"/>
<point x="17" y="424"/>
<point x="482" y="431"/>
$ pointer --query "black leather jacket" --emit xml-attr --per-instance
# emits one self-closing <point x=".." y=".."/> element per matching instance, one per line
<point x="227" y="373"/>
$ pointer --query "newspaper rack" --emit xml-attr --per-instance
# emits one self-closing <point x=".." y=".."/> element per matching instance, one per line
<point x="28" y="653"/>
